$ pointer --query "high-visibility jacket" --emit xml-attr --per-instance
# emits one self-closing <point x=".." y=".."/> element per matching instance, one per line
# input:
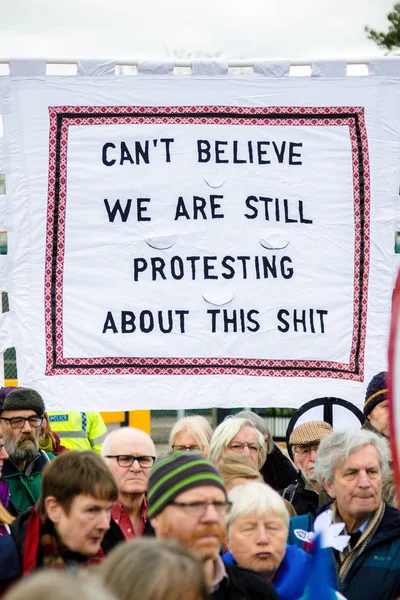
<point x="79" y="430"/>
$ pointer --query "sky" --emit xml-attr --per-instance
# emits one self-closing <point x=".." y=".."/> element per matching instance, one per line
<point x="128" y="29"/>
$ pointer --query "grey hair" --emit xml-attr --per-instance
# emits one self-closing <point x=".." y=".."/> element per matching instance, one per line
<point x="258" y="423"/>
<point x="258" y="498"/>
<point x="335" y="449"/>
<point x="197" y="425"/>
<point x="225" y="433"/>
<point x="123" y="433"/>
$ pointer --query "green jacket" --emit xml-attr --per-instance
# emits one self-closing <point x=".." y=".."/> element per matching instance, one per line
<point x="25" y="485"/>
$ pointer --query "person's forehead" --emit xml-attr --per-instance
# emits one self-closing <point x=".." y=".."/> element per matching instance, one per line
<point x="82" y="501"/>
<point x="246" y="433"/>
<point x="363" y="458"/>
<point x="268" y="517"/>
<point x="9" y="414"/>
<point x="135" y="445"/>
<point x="186" y="435"/>
<point x="202" y="493"/>
<point x="381" y="406"/>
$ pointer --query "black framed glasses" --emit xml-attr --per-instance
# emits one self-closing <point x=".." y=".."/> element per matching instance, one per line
<point x="19" y="422"/>
<point x="199" y="509"/>
<point x="127" y="460"/>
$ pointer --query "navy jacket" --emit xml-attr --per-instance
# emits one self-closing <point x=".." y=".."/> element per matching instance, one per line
<point x="376" y="572"/>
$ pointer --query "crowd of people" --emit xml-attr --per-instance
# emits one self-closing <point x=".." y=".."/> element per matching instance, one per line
<point x="224" y="514"/>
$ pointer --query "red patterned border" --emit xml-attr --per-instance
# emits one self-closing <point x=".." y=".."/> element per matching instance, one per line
<point x="61" y="118"/>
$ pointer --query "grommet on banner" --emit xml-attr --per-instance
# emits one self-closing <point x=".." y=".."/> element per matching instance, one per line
<point x="214" y="179"/>
<point x="218" y="297"/>
<point x="6" y="335"/>
<point x="210" y="68"/>
<point x="161" y="242"/>
<point x="384" y="67"/>
<point x="274" y="241"/>
<point x="96" y="68"/>
<point x="265" y="68"/>
<point x="155" y="67"/>
<point x="328" y="68"/>
<point x="27" y="68"/>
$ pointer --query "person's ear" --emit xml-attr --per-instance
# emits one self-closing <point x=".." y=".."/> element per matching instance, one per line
<point x="328" y="487"/>
<point x="53" y="509"/>
<point x="155" y="522"/>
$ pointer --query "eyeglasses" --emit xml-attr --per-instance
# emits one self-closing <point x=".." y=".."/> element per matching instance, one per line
<point x="199" y="509"/>
<point x="238" y="447"/>
<point x="125" y="460"/>
<point x="187" y="448"/>
<point x="19" y="422"/>
<point x="305" y="450"/>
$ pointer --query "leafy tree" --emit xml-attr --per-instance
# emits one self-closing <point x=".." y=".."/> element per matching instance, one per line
<point x="391" y="39"/>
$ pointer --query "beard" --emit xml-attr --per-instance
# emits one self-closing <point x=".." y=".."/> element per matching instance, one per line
<point x="21" y="450"/>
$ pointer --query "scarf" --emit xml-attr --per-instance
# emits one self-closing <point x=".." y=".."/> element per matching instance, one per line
<point x="347" y="558"/>
<point x="42" y="548"/>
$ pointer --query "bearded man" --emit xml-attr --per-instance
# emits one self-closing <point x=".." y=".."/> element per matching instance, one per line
<point x="21" y="415"/>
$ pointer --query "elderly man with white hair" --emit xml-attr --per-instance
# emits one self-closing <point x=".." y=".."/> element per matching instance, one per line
<point x="130" y="453"/>
<point x="350" y="466"/>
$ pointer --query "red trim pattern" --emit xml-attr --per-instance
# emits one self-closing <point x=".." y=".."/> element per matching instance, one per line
<point x="63" y="117"/>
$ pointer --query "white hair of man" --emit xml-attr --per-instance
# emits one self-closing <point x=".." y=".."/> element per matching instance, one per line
<point x="259" y="423"/>
<point x="255" y="498"/>
<point x="125" y="433"/>
<point x="335" y="449"/>
<point x="225" y="433"/>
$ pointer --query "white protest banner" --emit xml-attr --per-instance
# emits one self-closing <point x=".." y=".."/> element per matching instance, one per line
<point x="201" y="242"/>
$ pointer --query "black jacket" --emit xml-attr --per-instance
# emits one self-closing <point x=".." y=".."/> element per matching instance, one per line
<point x="243" y="584"/>
<point x="278" y="471"/>
<point x="304" y="500"/>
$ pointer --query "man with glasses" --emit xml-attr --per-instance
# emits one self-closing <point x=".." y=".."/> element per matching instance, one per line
<point x="130" y="454"/>
<point x="304" y="440"/>
<point x="187" y="502"/>
<point x="21" y="415"/>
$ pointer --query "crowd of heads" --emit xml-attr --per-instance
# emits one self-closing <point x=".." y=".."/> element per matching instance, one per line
<point x="205" y="496"/>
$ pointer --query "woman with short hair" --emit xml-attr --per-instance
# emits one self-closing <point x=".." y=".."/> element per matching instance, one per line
<point x="191" y="433"/>
<point x="237" y="436"/>
<point x="257" y="531"/>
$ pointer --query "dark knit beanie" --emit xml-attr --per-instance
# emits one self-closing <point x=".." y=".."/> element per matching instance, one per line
<point x="24" y="399"/>
<point x="376" y="392"/>
<point x="177" y="473"/>
<point x="4" y="391"/>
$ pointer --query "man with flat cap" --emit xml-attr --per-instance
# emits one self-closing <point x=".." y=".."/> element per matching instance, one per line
<point x="304" y="440"/>
<point x="187" y="502"/>
<point x="21" y="415"/>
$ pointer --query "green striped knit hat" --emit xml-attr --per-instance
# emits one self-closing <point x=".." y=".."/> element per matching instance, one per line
<point x="175" y="474"/>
